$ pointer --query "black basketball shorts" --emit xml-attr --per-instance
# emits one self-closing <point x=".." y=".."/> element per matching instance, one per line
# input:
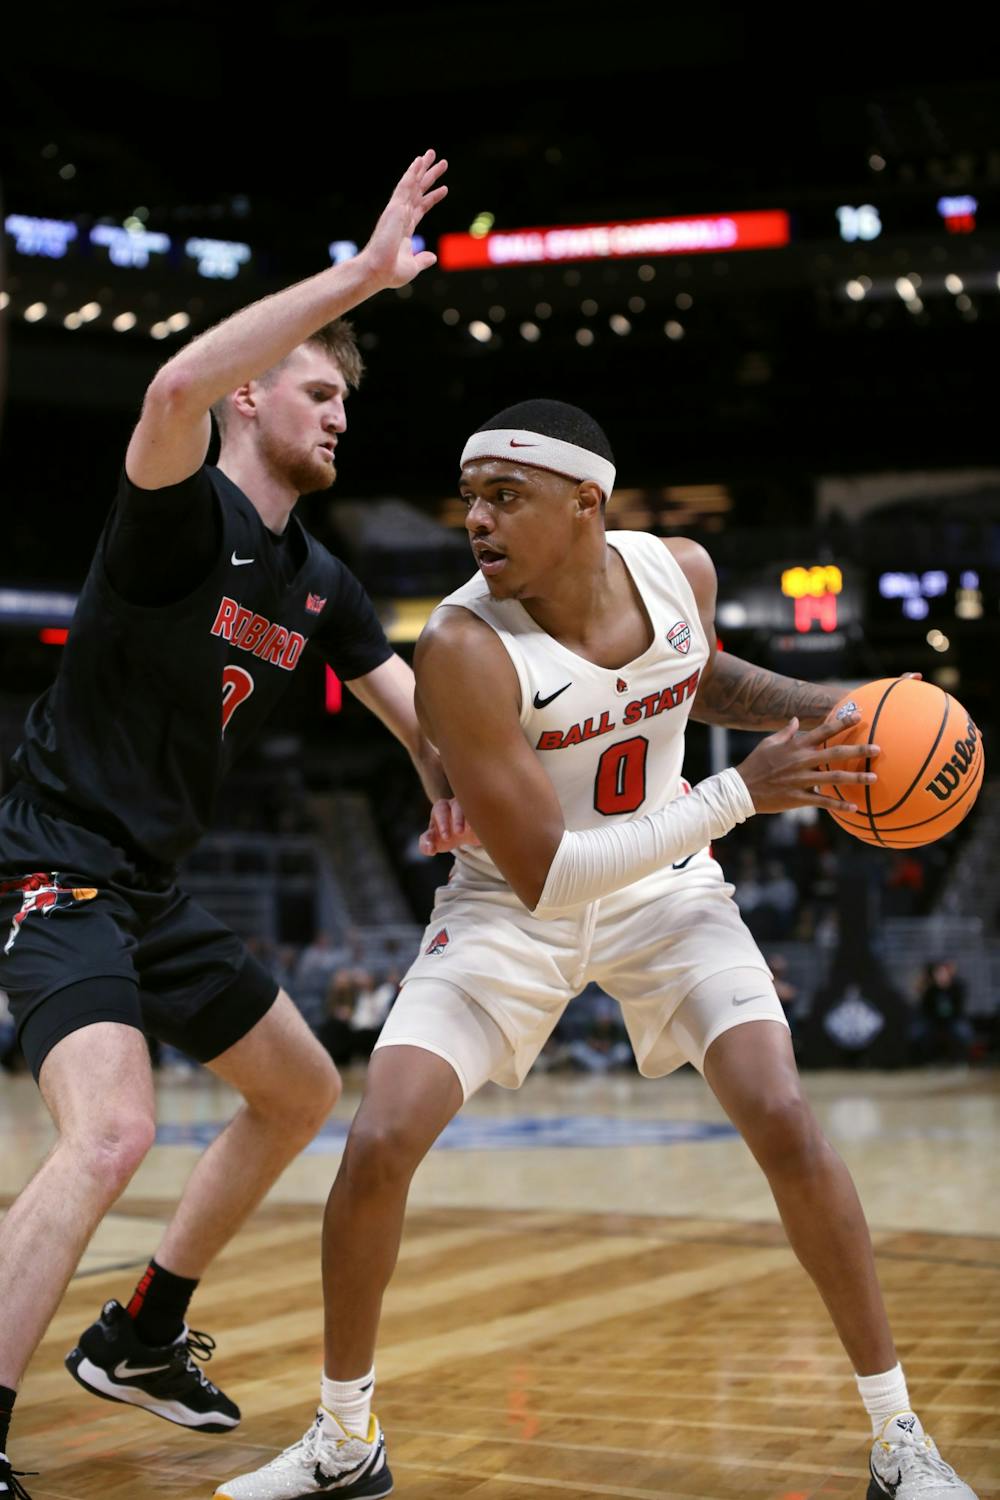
<point x="87" y="935"/>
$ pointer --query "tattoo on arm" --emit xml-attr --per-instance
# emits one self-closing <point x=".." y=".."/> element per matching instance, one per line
<point x="741" y="696"/>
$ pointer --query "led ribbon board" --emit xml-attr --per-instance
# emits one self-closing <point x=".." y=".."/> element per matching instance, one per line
<point x="766" y="230"/>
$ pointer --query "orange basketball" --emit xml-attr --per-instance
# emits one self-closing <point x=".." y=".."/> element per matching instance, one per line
<point x="929" y="772"/>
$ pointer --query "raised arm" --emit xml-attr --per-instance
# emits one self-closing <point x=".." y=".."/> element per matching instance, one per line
<point x="468" y="702"/>
<point x="732" y="692"/>
<point x="173" y="432"/>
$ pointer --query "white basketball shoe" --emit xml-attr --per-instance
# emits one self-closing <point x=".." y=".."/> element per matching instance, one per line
<point x="906" y="1465"/>
<point x="320" y="1463"/>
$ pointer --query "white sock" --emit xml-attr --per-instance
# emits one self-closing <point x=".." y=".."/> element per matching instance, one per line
<point x="350" y="1401"/>
<point x="884" y="1396"/>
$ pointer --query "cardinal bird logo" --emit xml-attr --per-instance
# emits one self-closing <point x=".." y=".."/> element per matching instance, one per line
<point x="438" y="943"/>
<point x="42" y="893"/>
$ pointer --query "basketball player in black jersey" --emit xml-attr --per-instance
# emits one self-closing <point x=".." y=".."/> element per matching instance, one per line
<point x="204" y="593"/>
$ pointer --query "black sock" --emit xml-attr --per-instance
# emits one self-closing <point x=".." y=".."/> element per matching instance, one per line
<point x="7" y="1399"/>
<point x="159" y="1303"/>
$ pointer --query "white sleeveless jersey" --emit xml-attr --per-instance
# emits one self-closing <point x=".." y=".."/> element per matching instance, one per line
<point x="611" y="739"/>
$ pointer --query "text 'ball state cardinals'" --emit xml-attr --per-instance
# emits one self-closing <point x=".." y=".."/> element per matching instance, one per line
<point x="930" y="769"/>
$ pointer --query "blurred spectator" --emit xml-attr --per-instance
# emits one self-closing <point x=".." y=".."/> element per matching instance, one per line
<point x="783" y="831"/>
<point x="748" y="885"/>
<point x="309" y="983"/>
<point x="319" y="961"/>
<point x="788" y="870"/>
<point x="787" y="992"/>
<point x="602" y="1049"/>
<point x="769" y="901"/>
<point x="941" y="1032"/>
<point x="421" y="876"/>
<point x="10" y="1053"/>
<point x="284" y="966"/>
<point x="590" y="1035"/>
<point x="792" y="1000"/>
<point x="904" y="886"/>
<point x="371" y="1006"/>
<point x="827" y="930"/>
<point x="335" y="1030"/>
<point x="779" y="898"/>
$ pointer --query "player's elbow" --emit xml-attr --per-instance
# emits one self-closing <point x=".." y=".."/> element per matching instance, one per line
<point x="533" y="890"/>
<point x="527" y="881"/>
<point x="530" y="893"/>
<point x="539" y="891"/>
<point x="544" y="911"/>
<point x="172" y="389"/>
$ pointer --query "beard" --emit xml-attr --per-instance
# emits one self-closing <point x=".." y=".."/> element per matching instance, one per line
<point x="306" y="472"/>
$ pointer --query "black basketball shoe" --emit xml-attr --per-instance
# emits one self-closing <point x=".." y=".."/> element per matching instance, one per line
<point x="112" y="1362"/>
<point x="10" y="1489"/>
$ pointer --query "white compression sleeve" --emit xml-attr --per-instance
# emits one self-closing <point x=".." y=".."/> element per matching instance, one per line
<point x="593" y="862"/>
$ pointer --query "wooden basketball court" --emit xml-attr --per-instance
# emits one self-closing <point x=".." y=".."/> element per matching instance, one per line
<point x="615" y="1318"/>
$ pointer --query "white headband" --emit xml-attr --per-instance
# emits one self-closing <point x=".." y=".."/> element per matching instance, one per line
<point x="541" y="452"/>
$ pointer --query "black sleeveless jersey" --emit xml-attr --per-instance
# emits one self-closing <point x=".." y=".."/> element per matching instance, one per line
<point x="152" y="704"/>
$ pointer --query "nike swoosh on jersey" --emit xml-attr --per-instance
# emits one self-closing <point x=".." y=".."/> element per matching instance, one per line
<point x="745" y="999"/>
<point x="240" y="562"/>
<point x="123" y="1370"/>
<point x="541" y="702"/>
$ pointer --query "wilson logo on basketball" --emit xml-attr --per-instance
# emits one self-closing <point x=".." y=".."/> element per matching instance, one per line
<point x="438" y="943"/>
<point x="949" y="777"/>
<point x="679" y="636"/>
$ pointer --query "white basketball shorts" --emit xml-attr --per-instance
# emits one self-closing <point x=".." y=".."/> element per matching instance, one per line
<point x="649" y="946"/>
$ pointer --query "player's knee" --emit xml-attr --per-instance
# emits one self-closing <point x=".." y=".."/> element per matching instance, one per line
<point x="324" y="1089"/>
<point x="315" y="1095"/>
<point x="305" y="1110"/>
<point x="380" y="1153"/>
<point x="302" y="1104"/>
<point x="329" y="1088"/>
<point x="786" y="1137"/>
<point x="113" y="1146"/>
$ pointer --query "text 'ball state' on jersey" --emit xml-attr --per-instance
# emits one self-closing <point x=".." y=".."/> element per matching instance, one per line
<point x="611" y="740"/>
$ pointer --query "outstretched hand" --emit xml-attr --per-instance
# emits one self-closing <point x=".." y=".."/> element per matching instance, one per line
<point x="389" y="254"/>
<point x="447" y="829"/>
<point x="789" y="768"/>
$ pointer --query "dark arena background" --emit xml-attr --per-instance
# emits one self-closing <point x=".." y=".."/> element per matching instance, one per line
<point x="764" y="252"/>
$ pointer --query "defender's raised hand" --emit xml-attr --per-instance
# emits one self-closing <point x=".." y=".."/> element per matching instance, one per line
<point x="787" y="769"/>
<point x="447" y="829"/>
<point x="389" y="255"/>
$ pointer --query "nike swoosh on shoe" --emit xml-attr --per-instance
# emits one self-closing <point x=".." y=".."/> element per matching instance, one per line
<point x="124" y="1371"/>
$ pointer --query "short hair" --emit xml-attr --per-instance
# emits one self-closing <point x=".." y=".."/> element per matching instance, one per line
<point x="555" y="419"/>
<point x="338" y="339"/>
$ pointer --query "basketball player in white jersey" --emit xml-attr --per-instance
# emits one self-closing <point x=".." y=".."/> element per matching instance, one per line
<point x="556" y="685"/>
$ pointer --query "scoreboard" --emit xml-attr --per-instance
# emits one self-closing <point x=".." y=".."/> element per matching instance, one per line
<point x="791" y="597"/>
